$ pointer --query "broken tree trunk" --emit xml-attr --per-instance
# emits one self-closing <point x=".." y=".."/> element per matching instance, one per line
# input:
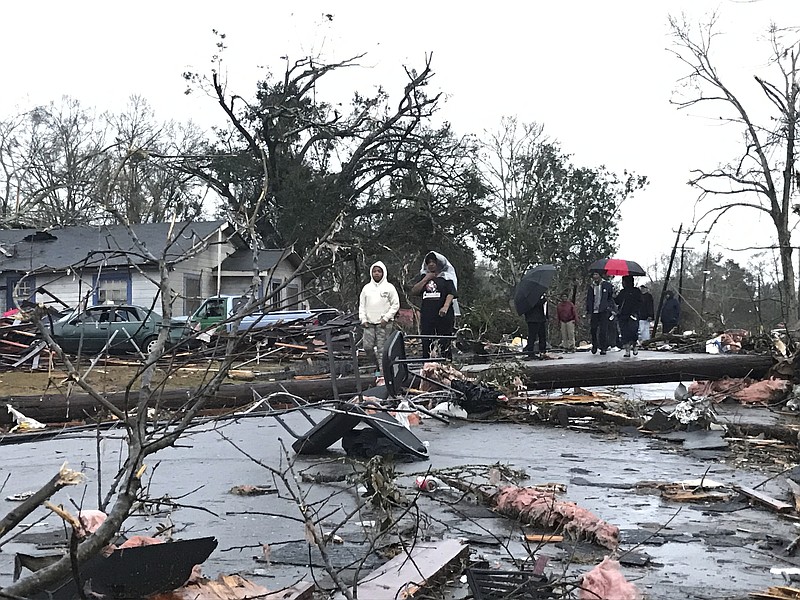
<point x="651" y="367"/>
<point x="57" y="408"/>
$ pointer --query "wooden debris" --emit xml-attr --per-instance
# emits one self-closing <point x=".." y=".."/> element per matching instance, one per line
<point x="761" y="498"/>
<point x="777" y="592"/>
<point x="407" y="574"/>
<point x="794" y="487"/>
<point x="235" y="587"/>
<point x="543" y="538"/>
<point x="679" y="493"/>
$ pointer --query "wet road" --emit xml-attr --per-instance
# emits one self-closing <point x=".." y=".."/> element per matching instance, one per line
<point x="720" y="555"/>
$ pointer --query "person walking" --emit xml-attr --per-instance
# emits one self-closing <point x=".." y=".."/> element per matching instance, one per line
<point x="437" y="316"/>
<point x="670" y="312"/>
<point x="377" y="306"/>
<point x="536" y="318"/>
<point x="629" y="301"/>
<point x="567" y="316"/>
<point x="646" y="315"/>
<point x="599" y="307"/>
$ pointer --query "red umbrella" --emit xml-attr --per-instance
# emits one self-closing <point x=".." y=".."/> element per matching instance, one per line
<point x="617" y="266"/>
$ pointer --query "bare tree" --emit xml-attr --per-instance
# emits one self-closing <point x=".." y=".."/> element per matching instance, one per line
<point x="320" y="157"/>
<point x="150" y="186"/>
<point x="145" y="435"/>
<point x="764" y="176"/>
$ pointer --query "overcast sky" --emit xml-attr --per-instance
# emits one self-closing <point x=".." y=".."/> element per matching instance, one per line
<point x="597" y="74"/>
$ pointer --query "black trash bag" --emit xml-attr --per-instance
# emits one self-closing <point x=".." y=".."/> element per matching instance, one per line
<point x="477" y="398"/>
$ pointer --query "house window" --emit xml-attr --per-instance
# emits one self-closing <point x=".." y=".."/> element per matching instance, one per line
<point x="192" y="296"/>
<point x="113" y="289"/>
<point x="275" y="293"/>
<point x="20" y="289"/>
<point x="292" y="296"/>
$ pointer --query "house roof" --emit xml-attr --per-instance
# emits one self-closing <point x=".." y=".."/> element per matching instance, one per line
<point x="57" y="249"/>
<point x="242" y="260"/>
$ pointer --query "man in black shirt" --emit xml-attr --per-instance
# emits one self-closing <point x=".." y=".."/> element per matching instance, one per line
<point x="436" y="311"/>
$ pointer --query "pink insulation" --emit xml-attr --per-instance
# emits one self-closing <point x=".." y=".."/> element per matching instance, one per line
<point x="744" y="390"/>
<point x="542" y="509"/>
<point x="606" y="582"/>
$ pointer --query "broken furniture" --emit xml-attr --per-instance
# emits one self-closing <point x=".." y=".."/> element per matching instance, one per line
<point x="342" y="420"/>
<point x="493" y="584"/>
<point x="127" y="572"/>
<point x="396" y="374"/>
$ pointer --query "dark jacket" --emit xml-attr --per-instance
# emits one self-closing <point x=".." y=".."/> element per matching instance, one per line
<point x="537" y="314"/>
<point x="648" y="312"/>
<point x="629" y="301"/>
<point x="671" y="311"/>
<point x="606" y="297"/>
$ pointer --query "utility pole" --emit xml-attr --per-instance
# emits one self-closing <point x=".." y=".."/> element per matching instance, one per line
<point x="705" y="281"/>
<point x="666" y="279"/>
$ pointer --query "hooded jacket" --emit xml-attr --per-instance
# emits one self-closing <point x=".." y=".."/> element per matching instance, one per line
<point x="447" y="271"/>
<point x="378" y="300"/>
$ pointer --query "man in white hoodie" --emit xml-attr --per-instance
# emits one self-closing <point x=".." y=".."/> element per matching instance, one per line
<point x="377" y="306"/>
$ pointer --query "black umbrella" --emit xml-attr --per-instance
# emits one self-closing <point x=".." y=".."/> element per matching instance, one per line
<point x="617" y="266"/>
<point x="532" y="286"/>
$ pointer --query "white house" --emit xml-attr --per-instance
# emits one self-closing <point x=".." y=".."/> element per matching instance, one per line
<point x="94" y="265"/>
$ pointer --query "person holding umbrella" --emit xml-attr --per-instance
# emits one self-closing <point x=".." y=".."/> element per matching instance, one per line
<point x="599" y="306"/>
<point x="536" y="318"/>
<point x="530" y="299"/>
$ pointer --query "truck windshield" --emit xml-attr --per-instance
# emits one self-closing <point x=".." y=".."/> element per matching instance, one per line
<point x="211" y="308"/>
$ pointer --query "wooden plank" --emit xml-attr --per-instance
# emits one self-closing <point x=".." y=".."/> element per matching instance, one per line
<point x="761" y="498"/>
<point x="294" y="346"/>
<point x="543" y="538"/>
<point x="778" y="592"/>
<point x="38" y="347"/>
<point x="405" y="575"/>
<point x="794" y="487"/>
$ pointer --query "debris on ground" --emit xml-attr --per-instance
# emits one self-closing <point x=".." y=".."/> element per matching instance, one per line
<point x="695" y="411"/>
<point x="691" y="490"/>
<point x="235" y="587"/>
<point x="439" y="373"/>
<point x="496" y="583"/>
<point x="607" y="581"/>
<point x="407" y="575"/>
<point x="745" y="390"/>
<point x="252" y="490"/>
<point x="23" y="423"/>
<point x="780" y="592"/>
<point x="542" y="508"/>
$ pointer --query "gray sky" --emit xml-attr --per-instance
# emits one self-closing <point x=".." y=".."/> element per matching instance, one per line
<point x="596" y="74"/>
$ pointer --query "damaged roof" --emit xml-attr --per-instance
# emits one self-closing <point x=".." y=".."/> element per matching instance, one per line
<point x="242" y="260"/>
<point x="58" y="249"/>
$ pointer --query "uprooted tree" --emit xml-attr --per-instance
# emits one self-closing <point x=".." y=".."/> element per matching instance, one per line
<point x="398" y="182"/>
<point x="764" y="176"/>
